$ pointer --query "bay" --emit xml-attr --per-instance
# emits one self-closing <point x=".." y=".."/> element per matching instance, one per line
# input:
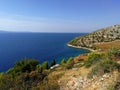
<point x="40" y="46"/>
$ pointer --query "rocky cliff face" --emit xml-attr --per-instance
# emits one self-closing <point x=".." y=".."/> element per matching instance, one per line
<point x="103" y="35"/>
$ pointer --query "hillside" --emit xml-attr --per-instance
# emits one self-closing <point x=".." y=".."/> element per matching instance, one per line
<point x="93" y="71"/>
<point x="100" y="36"/>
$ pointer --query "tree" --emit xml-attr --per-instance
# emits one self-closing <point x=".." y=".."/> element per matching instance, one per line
<point x="39" y="68"/>
<point x="45" y="65"/>
<point x="70" y="63"/>
<point x="69" y="60"/>
<point x="53" y="63"/>
<point x="25" y="65"/>
<point x="63" y="61"/>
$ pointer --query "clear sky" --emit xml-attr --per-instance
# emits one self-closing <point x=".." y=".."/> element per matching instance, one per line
<point x="58" y="15"/>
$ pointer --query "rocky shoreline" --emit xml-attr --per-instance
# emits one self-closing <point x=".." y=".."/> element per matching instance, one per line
<point x="80" y="47"/>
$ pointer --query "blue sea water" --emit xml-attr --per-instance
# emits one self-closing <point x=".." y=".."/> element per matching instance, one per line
<point x="40" y="46"/>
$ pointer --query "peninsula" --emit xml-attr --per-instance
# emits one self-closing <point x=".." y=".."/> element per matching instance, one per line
<point x="90" y="41"/>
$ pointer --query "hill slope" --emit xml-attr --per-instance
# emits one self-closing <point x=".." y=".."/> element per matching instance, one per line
<point x="103" y="35"/>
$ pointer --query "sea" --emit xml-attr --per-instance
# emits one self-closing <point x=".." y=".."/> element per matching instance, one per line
<point x="40" y="46"/>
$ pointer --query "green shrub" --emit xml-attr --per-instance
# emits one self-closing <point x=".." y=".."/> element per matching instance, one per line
<point x="45" y="65"/>
<point x="1" y="74"/>
<point x="109" y="65"/>
<point x="63" y="62"/>
<point x="93" y="58"/>
<point x="104" y="67"/>
<point x="70" y="63"/>
<point x="69" y="60"/>
<point x="25" y="65"/>
<point x="39" y="68"/>
<point x="113" y="52"/>
<point x="74" y="41"/>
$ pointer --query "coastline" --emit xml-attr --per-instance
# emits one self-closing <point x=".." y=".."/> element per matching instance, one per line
<point x="69" y="45"/>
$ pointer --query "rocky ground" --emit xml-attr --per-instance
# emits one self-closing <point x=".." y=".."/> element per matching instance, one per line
<point x="104" y="82"/>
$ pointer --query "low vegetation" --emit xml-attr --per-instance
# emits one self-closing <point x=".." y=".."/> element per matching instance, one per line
<point x="107" y="64"/>
<point x="93" y="59"/>
<point x="103" y="67"/>
<point x="29" y="74"/>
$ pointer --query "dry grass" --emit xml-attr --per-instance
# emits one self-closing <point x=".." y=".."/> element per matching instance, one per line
<point x="80" y="58"/>
<point x="103" y="46"/>
<point x="107" y="45"/>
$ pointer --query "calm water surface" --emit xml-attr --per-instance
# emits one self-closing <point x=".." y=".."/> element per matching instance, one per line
<point x="41" y="46"/>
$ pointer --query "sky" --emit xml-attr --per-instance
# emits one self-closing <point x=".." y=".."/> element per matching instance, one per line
<point x="58" y="15"/>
